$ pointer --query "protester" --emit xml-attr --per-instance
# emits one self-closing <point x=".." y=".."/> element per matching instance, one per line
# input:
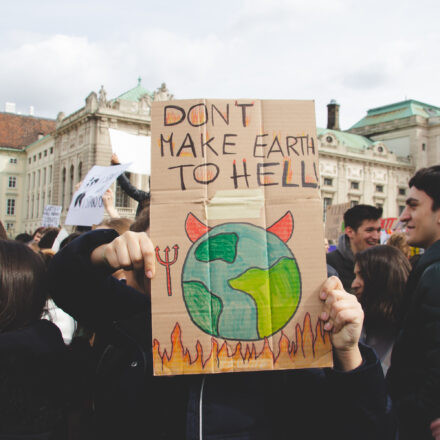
<point x="380" y="278"/>
<point x="414" y="375"/>
<point x="23" y="238"/>
<point x="120" y="225"/>
<point x="143" y="197"/>
<point x="362" y="230"/>
<point x="48" y="238"/>
<point x="131" y="403"/>
<point x="399" y="241"/>
<point x="33" y="382"/>
<point x="36" y="237"/>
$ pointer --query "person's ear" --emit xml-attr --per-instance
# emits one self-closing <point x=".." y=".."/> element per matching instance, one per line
<point x="349" y="231"/>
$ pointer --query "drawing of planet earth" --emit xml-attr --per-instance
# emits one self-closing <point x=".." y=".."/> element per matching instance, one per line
<point x="240" y="282"/>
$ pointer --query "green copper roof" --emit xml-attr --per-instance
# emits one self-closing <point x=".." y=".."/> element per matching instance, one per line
<point x="134" y="94"/>
<point x="398" y="110"/>
<point x="350" y="140"/>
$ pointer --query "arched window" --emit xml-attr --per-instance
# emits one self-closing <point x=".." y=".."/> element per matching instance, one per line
<point x="80" y="171"/>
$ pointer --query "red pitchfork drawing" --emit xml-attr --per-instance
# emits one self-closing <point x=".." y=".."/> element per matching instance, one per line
<point x="167" y="263"/>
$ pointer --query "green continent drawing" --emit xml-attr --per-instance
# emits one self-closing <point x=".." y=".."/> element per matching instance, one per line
<point x="275" y="292"/>
<point x="240" y="282"/>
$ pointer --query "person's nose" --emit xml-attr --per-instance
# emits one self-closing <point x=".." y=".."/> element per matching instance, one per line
<point x="404" y="217"/>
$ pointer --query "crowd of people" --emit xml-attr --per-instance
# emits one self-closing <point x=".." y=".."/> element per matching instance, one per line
<point x="76" y="346"/>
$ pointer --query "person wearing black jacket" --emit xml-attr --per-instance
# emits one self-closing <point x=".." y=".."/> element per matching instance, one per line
<point x="34" y="375"/>
<point x="414" y="375"/>
<point x="348" y="401"/>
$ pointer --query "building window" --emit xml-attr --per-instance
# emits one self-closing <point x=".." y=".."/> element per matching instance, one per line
<point x="39" y="155"/>
<point x="328" y="181"/>
<point x="10" y="208"/>
<point x="379" y="188"/>
<point x="379" y="205"/>
<point x="354" y="203"/>
<point x="63" y="188"/>
<point x="38" y="177"/>
<point x="423" y="147"/>
<point x="44" y="176"/>
<point x="80" y="172"/>
<point x="45" y="153"/>
<point x="122" y="200"/>
<point x="12" y="182"/>
<point x="33" y="180"/>
<point x="34" y="158"/>
<point x="38" y="205"/>
<point x="72" y="178"/>
<point x="50" y="173"/>
<point x="402" y="191"/>
<point x="9" y="226"/>
<point x="354" y="185"/>
<point x="329" y="139"/>
<point x="327" y="203"/>
<point x="51" y="150"/>
<point x="13" y="160"/>
<point x="401" y="208"/>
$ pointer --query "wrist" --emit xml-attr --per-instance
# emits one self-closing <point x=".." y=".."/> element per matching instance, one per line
<point x="347" y="359"/>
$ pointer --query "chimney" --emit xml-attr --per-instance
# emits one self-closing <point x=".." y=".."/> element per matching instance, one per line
<point x="10" y="107"/>
<point x="333" y="115"/>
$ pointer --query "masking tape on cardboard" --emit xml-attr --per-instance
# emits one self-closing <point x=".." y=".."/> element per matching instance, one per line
<point x="235" y="204"/>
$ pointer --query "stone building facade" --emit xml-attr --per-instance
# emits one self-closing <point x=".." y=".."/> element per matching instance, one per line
<point x="369" y="163"/>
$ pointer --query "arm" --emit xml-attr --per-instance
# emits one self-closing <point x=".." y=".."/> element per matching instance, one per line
<point x="356" y="386"/>
<point x="108" y="200"/>
<point x="85" y="289"/>
<point x="132" y="191"/>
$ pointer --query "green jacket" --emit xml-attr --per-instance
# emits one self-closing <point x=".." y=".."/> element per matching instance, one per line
<point x="414" y="375"/>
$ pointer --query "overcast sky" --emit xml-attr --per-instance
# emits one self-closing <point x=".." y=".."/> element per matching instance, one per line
<point x="363" y="54"/>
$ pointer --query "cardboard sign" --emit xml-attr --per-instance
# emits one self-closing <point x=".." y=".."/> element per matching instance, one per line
<point x="86" y="207"/>
<point x="132" y="149"/>
<point x="334" y="219"/>
<point x="237" y="224"/>
<point x="51" y="216"/>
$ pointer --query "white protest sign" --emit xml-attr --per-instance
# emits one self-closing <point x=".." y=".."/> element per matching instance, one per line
<point x="86" y="207"/>
<point x="133" y="149"/>
<point x="51" y="216"/>
<point x="60" y="237"/>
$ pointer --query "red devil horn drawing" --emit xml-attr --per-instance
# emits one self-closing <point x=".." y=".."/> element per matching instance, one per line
<point x="283" y="228"/>
<point x="195" y="228"/>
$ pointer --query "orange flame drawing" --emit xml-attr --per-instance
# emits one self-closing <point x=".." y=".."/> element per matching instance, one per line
<point x="310" y="349"/>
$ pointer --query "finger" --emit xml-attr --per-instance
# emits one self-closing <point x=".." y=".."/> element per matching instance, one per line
<point x="339" y="306"/>
<point x="122" y="253"/>
<point x="110" y="256"/>
<point x="147" y="249"/>
<point x="332" y="283"/>
<point x="135" y="252"/>
<point x="347" y="316"/>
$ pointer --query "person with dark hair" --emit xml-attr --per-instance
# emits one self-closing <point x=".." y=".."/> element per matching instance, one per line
<point x="131" y="403"/>
<point x="142" y="197"/>
<point x="362" y="230"/>
<point x="69" y="239"/>
<point x="48" y="238"/>
<point x="33" y="365"/>
<point x="414" y="374"/>
<point x="23" y="238"/>
<point x="380" y="279"/>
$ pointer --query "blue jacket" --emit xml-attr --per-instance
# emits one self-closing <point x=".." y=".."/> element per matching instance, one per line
<point x="131" y="403"/>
